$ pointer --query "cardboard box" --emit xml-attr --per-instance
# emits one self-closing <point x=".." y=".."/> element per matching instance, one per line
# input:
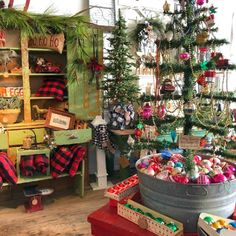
<point x="209" y="230"/>
<point x="148" y="223"/>
<point x="123" y="189"/>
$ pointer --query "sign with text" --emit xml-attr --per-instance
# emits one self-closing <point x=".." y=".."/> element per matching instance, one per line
<point x="11" y="91"/>
<point x="189" y="142"/>
<point x="54" y="42"/>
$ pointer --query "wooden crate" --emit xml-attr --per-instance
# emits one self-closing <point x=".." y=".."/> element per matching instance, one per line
<point x="148" y="223"/>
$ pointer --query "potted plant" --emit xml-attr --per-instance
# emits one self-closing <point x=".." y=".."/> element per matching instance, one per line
<point x="9" y="109"/>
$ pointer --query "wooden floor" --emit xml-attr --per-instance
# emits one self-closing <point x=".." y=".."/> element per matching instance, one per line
<point x="65" y="216"/>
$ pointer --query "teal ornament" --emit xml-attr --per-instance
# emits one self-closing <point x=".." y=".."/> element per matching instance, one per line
<point x="148" y="214"/>
<point x="179" y="164"/>
<point x="233" y="224"/>
<point x="204" y="65"/>
<point x="208" y="220"/>
<point x="139" y="125"/>
<point x="160" y="220"/>
<point x="173" y="135"/>
<point x="212" y="9"/>
<point x="172" y="226"/>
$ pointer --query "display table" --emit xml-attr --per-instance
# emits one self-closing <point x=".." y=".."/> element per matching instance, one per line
<point x="106" y="222"/>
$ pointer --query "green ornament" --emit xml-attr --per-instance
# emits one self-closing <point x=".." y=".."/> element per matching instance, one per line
<point x="172" y="226"/>
<point x="208" y="219"/>
<point x="160" y="220"/>
<point x="138" y="210"/>
<point x="148" y="214"/>
<point x="139" y="125"/>
<point x="128" y="206"/>
<point x="204" y="65"/>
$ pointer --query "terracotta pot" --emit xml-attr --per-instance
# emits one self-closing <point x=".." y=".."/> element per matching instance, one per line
<point x="9" y="116"/>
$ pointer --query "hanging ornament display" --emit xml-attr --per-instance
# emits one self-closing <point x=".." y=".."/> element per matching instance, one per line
<point x="201" y="38"/>
<point x="184" y="56"/>
<point x="189" y="108"/>
<point x="167" y="86"/>
<point x="147" y="111"/>
<point x="161" y="111"/>
<point x="202" y="80"/>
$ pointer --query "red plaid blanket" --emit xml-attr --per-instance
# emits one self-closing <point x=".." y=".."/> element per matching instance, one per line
<point x="41" y="163"/>
<point x="7" y="169"/>
<point x="52" y="87"/>
<point x="27" y="167"/>
<point x="66" y="157"/>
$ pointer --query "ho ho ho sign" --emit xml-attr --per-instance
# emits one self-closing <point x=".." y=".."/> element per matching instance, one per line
<point x="54" y="42"/>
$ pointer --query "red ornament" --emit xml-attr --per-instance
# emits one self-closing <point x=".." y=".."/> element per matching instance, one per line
<point x="138" y="133"/>
<point x="200" y="2"/>
<point x="210" y="73"/>
<point x="202" y="80"/>
<point x="161" y="111"/>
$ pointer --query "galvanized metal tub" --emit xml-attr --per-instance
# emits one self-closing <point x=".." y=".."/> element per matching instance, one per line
<point x="184" y="202"/>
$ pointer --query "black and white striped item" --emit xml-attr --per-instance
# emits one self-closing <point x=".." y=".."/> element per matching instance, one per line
<point x="122" y="116"/>
<point x="100" y="136"/>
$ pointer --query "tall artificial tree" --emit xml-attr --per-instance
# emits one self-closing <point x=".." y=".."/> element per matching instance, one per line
<point x="120" y="84"/>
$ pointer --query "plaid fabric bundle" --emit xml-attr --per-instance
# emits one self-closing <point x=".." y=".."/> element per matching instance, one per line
<point x="79" y="153"/>
<point x="27" y="167"/>
<point x="41" y="163"/>
<point x="52" y="87"/>
<point x="66" y="157"/>
<point x="7" y="169"/>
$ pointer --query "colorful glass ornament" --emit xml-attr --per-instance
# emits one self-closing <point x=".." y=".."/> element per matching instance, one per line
<point x="140" y="125"/>
<point x="161" y="111"/>
<point x="166" y="7"/>
<point x="200" y="2"/>
<point x="147" y="111"/>
<point x="184" y="56"/>
<point x="138" y="133"/>
<point x="189" y="108"/>
<point x="202" y="80"/>
<point x="173" y="135"/>
<point x="201" y="38"/>
<point x="167" y="86"/>
<point x="210" y="21"/>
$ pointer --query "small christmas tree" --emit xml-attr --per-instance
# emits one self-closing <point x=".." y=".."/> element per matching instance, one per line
<point x="120" y="84"/>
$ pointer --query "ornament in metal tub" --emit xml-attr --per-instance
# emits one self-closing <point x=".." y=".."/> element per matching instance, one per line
<point x="185" y="202"/>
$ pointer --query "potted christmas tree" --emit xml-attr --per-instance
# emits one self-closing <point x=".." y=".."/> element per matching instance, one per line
<point x="120" y="85"/>
<point x="9" y="109"/>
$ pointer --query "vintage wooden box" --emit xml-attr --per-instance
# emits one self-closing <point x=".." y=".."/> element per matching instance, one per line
<point x="67" y="137"/>
<point x="123" y="189"/>
<point x="148" y="223"/>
